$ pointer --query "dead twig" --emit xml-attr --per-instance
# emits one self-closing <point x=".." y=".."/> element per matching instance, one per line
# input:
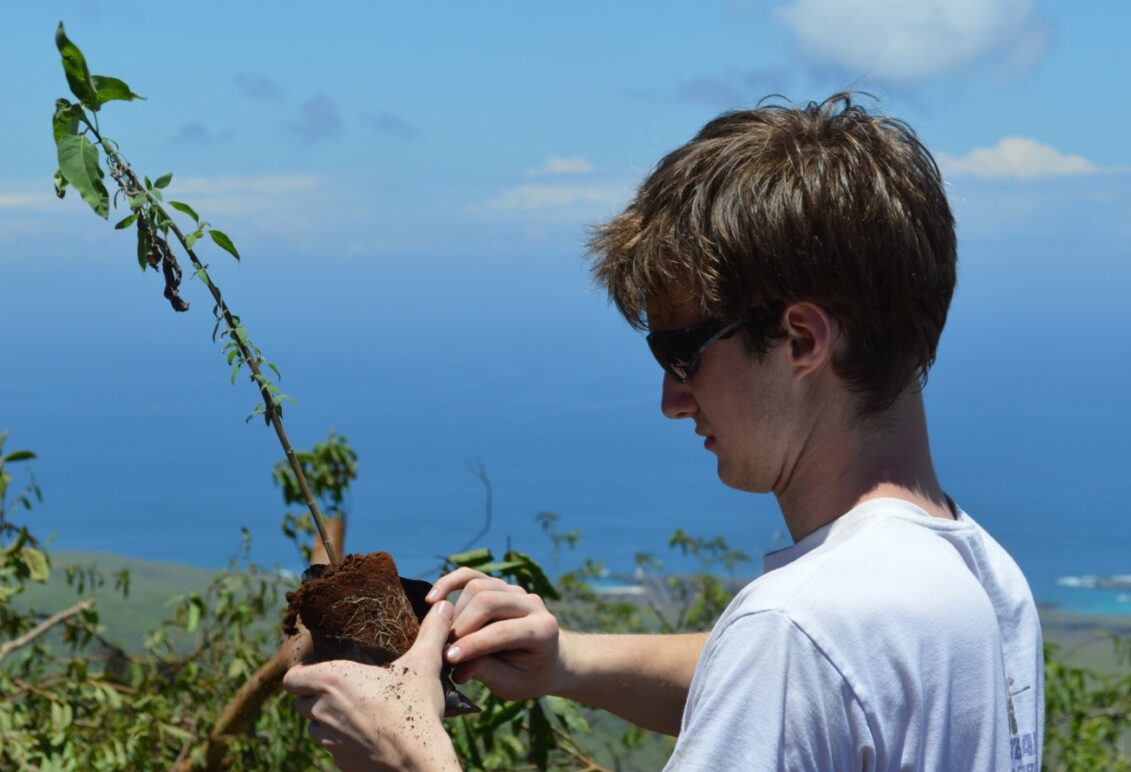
<point x="57" y="618"/>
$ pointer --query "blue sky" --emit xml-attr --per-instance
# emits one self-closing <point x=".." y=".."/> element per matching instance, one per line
<point x="373" y="129"/>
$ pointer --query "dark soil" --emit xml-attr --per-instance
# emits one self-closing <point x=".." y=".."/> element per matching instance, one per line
<point x="363" y="611"/>
<point x="357" y="611"/>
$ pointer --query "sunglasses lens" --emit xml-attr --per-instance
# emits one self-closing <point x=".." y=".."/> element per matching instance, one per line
<point x="677" y="351"/>
<point x="672" y="363"/>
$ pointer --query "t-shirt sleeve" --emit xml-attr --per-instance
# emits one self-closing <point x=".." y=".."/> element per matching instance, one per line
<point x="767" y="697"/>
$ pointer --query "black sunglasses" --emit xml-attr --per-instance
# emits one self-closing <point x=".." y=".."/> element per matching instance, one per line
<point x="679" y="351"/>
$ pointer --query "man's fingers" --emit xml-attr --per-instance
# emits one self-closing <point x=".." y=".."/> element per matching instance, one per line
<point x="504" y="635"/>
<point x="304" y="704"/>
<point x="502" y="679"/>
<point x="449" y="583"/>
<point x="304" y="679"/>
<point x="493" y="607"/>
<point x="430" y="641"/>
<point x="478" y="585"/>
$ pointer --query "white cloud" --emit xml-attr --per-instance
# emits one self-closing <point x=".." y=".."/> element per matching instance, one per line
<point x="535" y="197"/>
<point x="913" y="39"/>
<point x="288" y="206"/>
<point x="25" y="200"/>
<point x="558" y="165"/>
<point x="232" y="195"/>
<point x="1018" y="158"/>
<point x="266" y="184"/>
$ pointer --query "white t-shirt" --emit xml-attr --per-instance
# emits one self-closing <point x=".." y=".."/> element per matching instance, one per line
<point x="886" y="640"/>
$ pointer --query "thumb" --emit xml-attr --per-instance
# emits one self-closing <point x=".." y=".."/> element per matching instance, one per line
<point x="428" y="650"/>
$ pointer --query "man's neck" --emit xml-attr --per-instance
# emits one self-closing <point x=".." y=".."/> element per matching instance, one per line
<point x="861" y="460"/>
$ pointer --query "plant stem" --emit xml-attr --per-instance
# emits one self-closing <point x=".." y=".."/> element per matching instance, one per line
<point x="62" y="616"/>
<point x="134" y="187"/>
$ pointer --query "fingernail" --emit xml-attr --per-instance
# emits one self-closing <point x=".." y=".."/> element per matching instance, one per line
<point x="431" y="596"/>
<point x="453" y="653"/>
<point x="445" y="610"/>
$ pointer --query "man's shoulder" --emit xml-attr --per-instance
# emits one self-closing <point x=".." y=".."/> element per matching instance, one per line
<point x="883" y="564"/>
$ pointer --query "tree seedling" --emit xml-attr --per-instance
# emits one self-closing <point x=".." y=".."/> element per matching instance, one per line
<point x="81" y="148"/>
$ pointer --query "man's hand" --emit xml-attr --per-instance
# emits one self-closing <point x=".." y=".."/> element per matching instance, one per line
<point x="505" y="637"/>
<point x="502" y="635"/>
<point x="381" y="717"/>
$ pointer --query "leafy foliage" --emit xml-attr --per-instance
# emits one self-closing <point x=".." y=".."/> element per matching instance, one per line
<point x="74" y="699"/>
<point x="1087" y="716"/>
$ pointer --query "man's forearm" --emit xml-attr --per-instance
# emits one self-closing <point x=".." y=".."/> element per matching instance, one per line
<point x="642" y="678"/>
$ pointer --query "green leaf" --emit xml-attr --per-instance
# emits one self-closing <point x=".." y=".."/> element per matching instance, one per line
<point x="508" y="711"/>
<point x="163" y="181"/>
<point x="137" y="201"/>
<point x="539" y="583"/>
<point x="37" y="564"/>
<point x="17" y="455"/>
<point x="224" y="243"/>
<point x="142" y="250"/>
<point x="498" y="565"/>
<point x="274" y="370"/>
<point x="189" y="241"/>
<point x="541" y="735"/>
<point x="177" y="732"/>
<point x="471" y="558"/>
<point x="111" y="696"/>
<point x="60" y="184"/>
<point x="107" y="89"/>
<point x="195" y="608"/>
<point x="67" y="118"/>
<point x="127" y="222"/>
<point x="182" y="207"/>
<point x="74" y="67"/>
<point x="78" y="163"/>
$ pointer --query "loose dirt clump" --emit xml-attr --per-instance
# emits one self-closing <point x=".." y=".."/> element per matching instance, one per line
<point x="356" y="611"/>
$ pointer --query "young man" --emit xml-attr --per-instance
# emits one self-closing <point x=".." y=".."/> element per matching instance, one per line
<point x="794" y="267"/>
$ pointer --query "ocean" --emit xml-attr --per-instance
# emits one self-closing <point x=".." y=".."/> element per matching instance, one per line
<point x="430" y="366"/>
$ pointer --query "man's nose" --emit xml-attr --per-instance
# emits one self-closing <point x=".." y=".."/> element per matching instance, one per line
<point x="676" y="400"/>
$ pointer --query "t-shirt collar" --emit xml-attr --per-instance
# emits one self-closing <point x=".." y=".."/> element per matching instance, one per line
<point x="838" y="529"/>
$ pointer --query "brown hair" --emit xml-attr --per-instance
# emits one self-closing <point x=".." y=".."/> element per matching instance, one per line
<point x="824" y="203"/>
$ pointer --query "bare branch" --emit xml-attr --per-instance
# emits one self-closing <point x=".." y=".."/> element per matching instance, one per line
<point x="479" y="470"/>
<point x="57" y="618"/>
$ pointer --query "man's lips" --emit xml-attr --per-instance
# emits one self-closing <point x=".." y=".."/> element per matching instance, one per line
<point x="709" y="441"/>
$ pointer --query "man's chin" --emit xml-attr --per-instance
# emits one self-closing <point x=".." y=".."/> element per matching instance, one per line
<point x="733" y="478"/>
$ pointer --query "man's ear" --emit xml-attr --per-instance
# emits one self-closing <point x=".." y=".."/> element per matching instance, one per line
<point x="810" y="336"/>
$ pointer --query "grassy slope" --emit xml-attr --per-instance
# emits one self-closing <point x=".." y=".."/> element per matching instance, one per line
<point x="126" y="620"/>
<point x="1085" y="641"/>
